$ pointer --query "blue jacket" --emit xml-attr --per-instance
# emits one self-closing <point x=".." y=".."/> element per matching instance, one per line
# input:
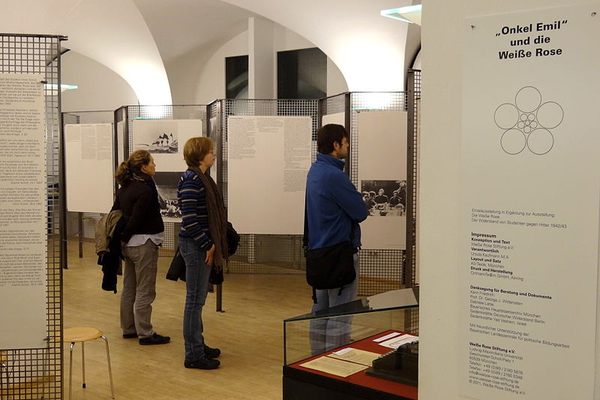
<point x="333" y="204"/>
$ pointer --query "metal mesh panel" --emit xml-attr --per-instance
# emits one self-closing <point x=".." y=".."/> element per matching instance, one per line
<point x="333" y="105"/>
<point x="264" y="253"/>
<point x="414" y="103"/>
<point x="414" y="111"/>
<point x="381" y="270"/>
<point x="163" y="112"/>
<point x="37" y="373"/>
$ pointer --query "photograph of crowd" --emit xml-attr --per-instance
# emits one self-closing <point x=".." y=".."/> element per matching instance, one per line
<point x="166" y="184"/>
<point x="384" y="198"/>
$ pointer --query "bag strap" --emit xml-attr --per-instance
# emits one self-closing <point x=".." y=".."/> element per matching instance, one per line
<point x="305" y="234"/>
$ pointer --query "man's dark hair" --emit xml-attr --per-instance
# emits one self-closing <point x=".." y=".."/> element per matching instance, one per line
<point x="327" y="135"/>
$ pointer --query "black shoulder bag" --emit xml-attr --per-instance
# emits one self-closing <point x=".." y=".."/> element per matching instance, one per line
<point x="329" y="267"/>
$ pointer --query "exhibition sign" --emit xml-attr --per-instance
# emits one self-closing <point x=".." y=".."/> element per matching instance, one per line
<point x="382" y="154"/>
<point x="23" y="212"/>
<point x="268" y="160"/>
<point x="529" y="211"/>
<point x="89" y="167"/>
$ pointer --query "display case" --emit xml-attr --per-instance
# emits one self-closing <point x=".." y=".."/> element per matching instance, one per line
<point x="328" y="354"/>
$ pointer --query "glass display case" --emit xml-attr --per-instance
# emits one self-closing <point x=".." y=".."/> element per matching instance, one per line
<point x="393" y="310"/>
<point x="330" y="353"/>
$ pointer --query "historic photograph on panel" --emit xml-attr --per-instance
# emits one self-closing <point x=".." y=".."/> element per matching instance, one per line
<point x="384" y="198"/>
<point x="166" y="183"/>
<point x="158" y="138"/>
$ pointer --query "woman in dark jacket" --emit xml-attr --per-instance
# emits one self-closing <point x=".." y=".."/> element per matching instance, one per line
<point x="143" y="233"/>
<point x="202" y="243"/>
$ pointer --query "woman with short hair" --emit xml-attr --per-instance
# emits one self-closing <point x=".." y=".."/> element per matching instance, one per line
<point x="202" y="243"/>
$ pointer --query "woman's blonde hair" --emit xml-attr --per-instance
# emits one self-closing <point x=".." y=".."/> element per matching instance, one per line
<point x="134" y="163"/>
<point x="195" y="149"/>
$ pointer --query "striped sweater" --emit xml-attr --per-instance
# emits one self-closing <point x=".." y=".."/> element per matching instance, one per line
<point x="194" y="213"/>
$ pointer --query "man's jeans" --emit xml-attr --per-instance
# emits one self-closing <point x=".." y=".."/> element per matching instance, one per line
<point x="196" y="282"/>
<point x="329" y="333"/>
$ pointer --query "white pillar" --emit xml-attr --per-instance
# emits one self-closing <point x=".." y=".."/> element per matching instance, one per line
<point x="260" y="59"/>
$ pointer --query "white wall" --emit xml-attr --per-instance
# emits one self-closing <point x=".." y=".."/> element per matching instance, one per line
<point x="199" y="76"/>
<point x="99" y="88"/>
<point x="285" y="39"/>
<point x="439" y="196"/>
<point x="368" y="48"/>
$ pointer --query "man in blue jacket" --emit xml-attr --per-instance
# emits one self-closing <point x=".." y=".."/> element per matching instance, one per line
<point x="334" y="209"/>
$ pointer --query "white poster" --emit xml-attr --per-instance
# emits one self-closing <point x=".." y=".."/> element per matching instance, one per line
<point x="337" y="118"/>
<point x="529" y="254"/>
<point x="23" y="212"/>
<point x="165" y="140"/>
<point x="89" y="167"/>
<point x="268" y="159"/>
<point x="382" y="177"/>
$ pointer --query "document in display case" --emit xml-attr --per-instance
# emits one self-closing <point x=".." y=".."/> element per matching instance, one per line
<point x="328" y="353"/>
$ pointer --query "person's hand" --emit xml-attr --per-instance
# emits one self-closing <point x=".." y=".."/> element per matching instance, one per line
<point x="209" y="255"/>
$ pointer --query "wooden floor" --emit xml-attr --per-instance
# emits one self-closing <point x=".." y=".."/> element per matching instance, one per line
<point x="249" y="333"/>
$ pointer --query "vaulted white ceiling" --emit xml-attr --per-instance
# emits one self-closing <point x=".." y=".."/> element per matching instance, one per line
<point x="135" y="38"/>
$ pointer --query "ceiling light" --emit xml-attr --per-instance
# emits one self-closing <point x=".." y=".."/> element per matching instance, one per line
<point x="410" y="14"/>
<point x="63" y="86"/>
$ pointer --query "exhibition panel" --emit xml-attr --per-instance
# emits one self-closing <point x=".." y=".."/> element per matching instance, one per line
<point x="260" y="250"/>
<point x="163" y="130"/>
<point x="382" y="266"/>
<point x="32" y="217"/>
<point x="90" y="150"/>
<point x="529" y="211"/>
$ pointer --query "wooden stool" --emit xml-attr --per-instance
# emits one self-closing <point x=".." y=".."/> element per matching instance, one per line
<point x="82" y="334"/>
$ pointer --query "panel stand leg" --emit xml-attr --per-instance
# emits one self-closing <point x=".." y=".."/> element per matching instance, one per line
<point x="80" y="223"/>
<point x="83" y="364"/>
<point x="71" y="370"/>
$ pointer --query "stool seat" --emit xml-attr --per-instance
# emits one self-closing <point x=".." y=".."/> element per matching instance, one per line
<point x="81" y="334"/>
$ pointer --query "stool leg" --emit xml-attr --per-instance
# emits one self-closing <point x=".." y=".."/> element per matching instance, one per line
<point x="83" y="364"/>
<point x="71" y="370"/>
<point x="112" y="389"/>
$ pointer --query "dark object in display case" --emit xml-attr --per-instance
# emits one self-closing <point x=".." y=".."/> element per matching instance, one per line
<point x="400" y="365"/>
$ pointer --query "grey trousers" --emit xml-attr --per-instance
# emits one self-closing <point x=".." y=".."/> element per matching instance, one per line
<point x="139" y="288"/>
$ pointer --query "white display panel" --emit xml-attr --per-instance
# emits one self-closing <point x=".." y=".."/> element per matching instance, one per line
<point x="268" y="159"/>
<point x="23" y="212"/>
<point x="529" y="232"/>
<point x="89" y="167"/>
<point x="165" y="140"/>
<point x="382" y="177"/>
